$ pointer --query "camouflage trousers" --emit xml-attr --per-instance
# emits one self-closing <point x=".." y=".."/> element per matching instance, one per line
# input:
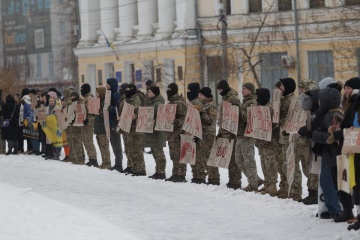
<point x="244" y="157"/>
<point x="268" y="163"/>
<point x="76" y="147"/>
<point x="234" y="169"/>
<point x="205" y="150"/>
<point x="174" y="149"/>
<point x="198" y="170"/>
<point x="87" y="133"/>
<point x="126" y="145"/>
<point x="135" y="152"/>
<point x="280" y="164"/>
<point x="305" y="157"/>
<point x="296" y="185"/>
<point x="160" y="159"/>
<point x="103" y="143"/>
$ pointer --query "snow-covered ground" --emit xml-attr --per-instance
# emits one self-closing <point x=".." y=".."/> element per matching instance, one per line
<point x="53" y="200"/>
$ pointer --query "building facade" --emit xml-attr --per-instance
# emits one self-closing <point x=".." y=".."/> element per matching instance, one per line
<point x="183" y="40"/>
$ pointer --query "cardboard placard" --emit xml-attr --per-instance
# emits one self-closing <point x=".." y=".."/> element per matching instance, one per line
<point x="145" y="121"/>
<point x="295" y="118"/>
<point x="220" y="154"/>
<point x="165" y="117"/>
<point x="259" y="124"/>
<point x="351" y="141"/>
<point x="230" y="117"/>
<point x="126" y="117"/>
<point x="80" y="115"/>
<point x="192" y="122"/>
<point x="93" y="105"/>
<point x="188" y="149"/>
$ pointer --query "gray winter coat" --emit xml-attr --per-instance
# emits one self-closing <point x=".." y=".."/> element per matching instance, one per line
<point x="155" y="139"/>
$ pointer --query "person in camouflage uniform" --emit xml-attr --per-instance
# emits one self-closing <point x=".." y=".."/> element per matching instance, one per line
<point x="287" y="87"/>
<point x="173" y="138"/>
<point x="69" y="135"/>
<point x="100" y="132"/>
<point x="302" y="155"/>
<point x="266" y="150"/>
<point x="208" y="115"/>
<point x="198" y="170"/>
<point x="135" y="139"/>
<point x="244" y="149"/>
<point x="87" y="133"/>
<point x="230" y="95"/>
<point x="156" y="140"/>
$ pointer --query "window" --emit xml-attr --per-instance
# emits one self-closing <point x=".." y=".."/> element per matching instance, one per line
<point x="180" y="73"/>
<point x="100" y="78"/>
<point x="285" y="5"/>
<point x="317" y="3"/>
<point x="255" y="6"/>
<point x="271" y="69"/>
<point x="62" y="28"/>
<point x="352" y="2"/>
<point x="321" y="65"/>
<point x="51" y="65"/>
<point x="38" y="65"/>
<point x="228" y="6"/>
<point x="158" y="75"/>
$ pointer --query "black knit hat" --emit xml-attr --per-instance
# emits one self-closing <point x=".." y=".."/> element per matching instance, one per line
<point x="289" y="85"/>
<point x="172" y="90"/>
<point x="250" y="86"/>
<point x="336" y="86"/>
<point x="223" y="84"/>
<point x="155" y="90"/>
<point x="206" y="91"/>
<point x="353" y="83"/>
<point x="263" y="96"/>
<point x="85" y="89"/>
<point x="148" y="82"/>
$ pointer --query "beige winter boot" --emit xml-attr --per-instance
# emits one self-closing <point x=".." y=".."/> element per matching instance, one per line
<point x="271" y="189"/>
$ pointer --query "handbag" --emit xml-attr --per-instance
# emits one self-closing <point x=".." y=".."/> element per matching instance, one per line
<point x="6" y="122"/>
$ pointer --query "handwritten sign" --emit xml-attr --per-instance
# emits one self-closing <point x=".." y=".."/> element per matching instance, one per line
<point x="277" y="94"/>
<point x="220" y="154"/>
<point x="188" y="149"/>
<point x="126" y="117"/>
<point x="80" y="115"/>
<point x="93" y="105"/>
<point x="145" y="120"/>
<point x="259" y="123"/>
<point x="107" y="99"/>
<point x="343" y="171"/>
<point x="230" y="117"/>
<point x="295" y="118"/>
<point x="192" y="122"/>
<point x="351" y="141"/>
<point x="165" y="117"/>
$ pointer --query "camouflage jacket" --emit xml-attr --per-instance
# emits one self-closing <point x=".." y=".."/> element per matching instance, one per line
<point x="233" y="98"/>
<point x="248" y="101"/>
<point x="196" y="101"/>
<point x="284" y="108"/>
<point x="180" y="115"/>
<point x="136" y="102"/>
<point x="208" y="116"/>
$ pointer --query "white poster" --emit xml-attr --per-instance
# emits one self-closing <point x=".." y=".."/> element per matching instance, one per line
<point x="165" y="117"/>
<point x="126" y="117"/>
<point x="188" y="149"/>
<point x="221" y="153"/>
<point x="145" y="120"/>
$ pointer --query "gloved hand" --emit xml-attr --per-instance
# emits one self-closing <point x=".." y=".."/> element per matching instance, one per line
<point x="85" y="121"/>
<point x="304" y="132"/>
<point x="196" y="139"/>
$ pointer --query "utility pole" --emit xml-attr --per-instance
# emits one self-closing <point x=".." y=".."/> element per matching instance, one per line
<point x="224" y="40"/>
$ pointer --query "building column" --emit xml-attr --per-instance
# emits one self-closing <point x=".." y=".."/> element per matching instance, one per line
<point x="109" y="19"/>
<point x="167" y="16"/>
<point x="89" y="20"/>
<point x="147" y="15"/>
<point x="128" y="18"/>
<point x="185" y="16"/>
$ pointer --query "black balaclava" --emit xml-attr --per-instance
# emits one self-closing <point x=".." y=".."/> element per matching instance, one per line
<point x="263" y="96"/>
<point x="123" y="87"/>
<point x="130" y="90"/>
<point x="85" y="89"/>
<point x="193" y="91"/>
<point x="224" y="85"/>
<point x="172" y="90"/>
<point x="289" y="85"/>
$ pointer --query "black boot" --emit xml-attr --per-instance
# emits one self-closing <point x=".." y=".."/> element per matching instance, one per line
<point x="158" y="176"/>
<point x="347" y="214"/>
<point x="356" y="225"/>
<point x="9" y="152"/>
<point x="92" y="162"/>
<point x="172" y="178"/>
<point x="180" y="179"/>
<point x="311" y="199"/>
<point x="234" y="186"/>
<point x="117" y="168"/>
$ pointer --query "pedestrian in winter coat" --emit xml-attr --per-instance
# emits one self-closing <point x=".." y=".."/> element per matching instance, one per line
<point x="2" y="142"/>
<point x="135" y="149"/>
<point x="329" y="107"/>
<point x="53" y="108"/>
<point x="11" y="132"/>
<point x="88" y="128"/>
<point x="266" y="149"/>
<point x="173" y="138"/>
<point x="156" y="140"/>
<point x="100" y="132"/>
<point x="25" y="114"/>
<point x="115" y="139"/>
<point x="230" y="95"/>
<point x="208" y="116"/>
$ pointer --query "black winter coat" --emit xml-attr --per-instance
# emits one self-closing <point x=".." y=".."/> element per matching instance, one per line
<point x="12" y="131"/>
